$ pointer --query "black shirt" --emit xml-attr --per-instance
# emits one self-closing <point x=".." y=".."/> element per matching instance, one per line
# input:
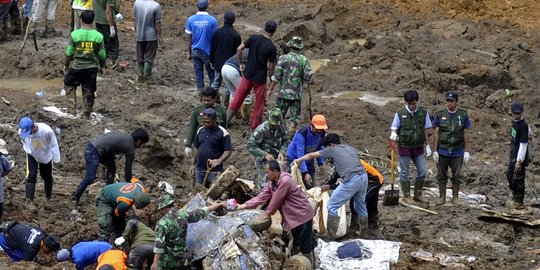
<point x="113" y="143"/>
<point x="25" y="238"/>
<point x="225" y="41"/>
<point x="261" y="51"/>
<point x="519" y="134"/>
<point x="211" y="144"/>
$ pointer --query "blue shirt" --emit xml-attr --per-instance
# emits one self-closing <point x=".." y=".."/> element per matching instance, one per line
<point x="201" y="27"/>
<point x="456" y="152"/>
<point x="303" y="142"/>
<point x="87" y="253"/>
<point x="211" y="143"/>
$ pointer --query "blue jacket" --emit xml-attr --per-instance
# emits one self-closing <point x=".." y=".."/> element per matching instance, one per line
<point x="303" y="142"/>
<point x="87" y="253"/>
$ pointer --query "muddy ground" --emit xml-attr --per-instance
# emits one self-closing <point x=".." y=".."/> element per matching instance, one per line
<point x="364" y="48"/>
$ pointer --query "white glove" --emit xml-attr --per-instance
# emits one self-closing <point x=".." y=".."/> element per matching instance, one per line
<point x="466" y="157"/>
<point x="187" y="152"/>
<point x="393" y="136"/>
<point x="428" y="150"/>
<point x="119" y="17"/>
<point x="113" y="32"/>
<point x="119" y="241"/>
<point x="436" y="157"/>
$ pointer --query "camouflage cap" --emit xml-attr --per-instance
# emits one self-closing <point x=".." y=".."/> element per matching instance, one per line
<point x="274" y="117"/>
<point x="295" y="42"/>
<point x="164" y="201"/>
<point x="142" y="199"/>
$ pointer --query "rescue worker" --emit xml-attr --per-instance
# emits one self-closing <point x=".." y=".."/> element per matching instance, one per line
<point x="103" y="150"/>
<point x="170" y="252"/>
<point x="450" y="145"/>
<point x="268" y="141"/>
<point x="112" y="259"/>
<point x="85" y="49"/>
<point x="212" y="147"/>
<point x="41" y="147"/>
<point x="141" y="239"/>
<point x="231" y="74"/>
<point x="15" y="18"/>
<point x="78" y="6"/>
<point x="5" y="6"/>
<point x="292" y="71"/>
<point x="113" y="202"/>
<point x="148" y="36"/>
<point x="375" y="180"/>
<point x="306" y="140"/>
<point x="225" y="41"/>
<point x="518" y="156"/>
<point x="410" y="128"/>
<point x="196" y="121"/>
<point x="354" y="183"/>
<point x="23" y="242"/>
<point x="35" y="10"/>
<point x="84" y="253"/>
<point x="282" y="193"/>
<point x="105" y="21"/>
<point x="5" y="167"/>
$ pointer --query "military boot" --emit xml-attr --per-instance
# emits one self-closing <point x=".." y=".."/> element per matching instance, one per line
<point x="332" y="226"/>
<point x="362" y="227"/>
<point x="442" y="194"/>
<point x="418" y="192"/>
<point x="406" y="189"/>
<point x="455" y="194"/>
<point x="16" y="25"/>
<point x="140" y="73"/>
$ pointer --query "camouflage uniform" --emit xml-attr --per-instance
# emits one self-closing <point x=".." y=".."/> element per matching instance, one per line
<point x="171" y="231"/>
<point x="292" y="70"/>
<point x="269" y="137"/>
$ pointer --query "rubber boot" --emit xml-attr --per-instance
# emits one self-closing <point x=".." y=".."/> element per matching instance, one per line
<point x="455" y="194"/>
<point x="140" y="73"/>
<point x="442" y="194"/>
<point x="148" y="69"/>
<point x="406" y="189"/>
<point x="311" y="258"/>
<point x="230" y="115"/>
<point x="3" y="32"/>
<point x="332" y="226"/>
<point x="49" y="29"/>
<point x="71" y="94"/>
<point x="362" y="227"/>
<point x="418" y="192"/>
<point x="16" y="25"/>
<point x="354" y="221"/>
<point x="373" y="226"/>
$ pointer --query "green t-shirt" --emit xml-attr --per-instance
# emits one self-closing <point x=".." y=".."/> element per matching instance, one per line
<point x="99" y="10"/>
<point x="85" y="48"/>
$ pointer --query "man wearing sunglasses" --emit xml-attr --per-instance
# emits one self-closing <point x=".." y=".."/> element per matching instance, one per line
<point x="451" y="144"/>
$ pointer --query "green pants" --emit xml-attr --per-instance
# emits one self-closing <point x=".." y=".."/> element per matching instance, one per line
<point x="293" y="106"/>
<point x="107" y="221"/>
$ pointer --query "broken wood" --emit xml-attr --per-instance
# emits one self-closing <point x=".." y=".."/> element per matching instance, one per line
<point x="417" y="207"/>
<point x="6" y="101"/>
<point x="534" y="251"/>
<point x="224" y="181"/>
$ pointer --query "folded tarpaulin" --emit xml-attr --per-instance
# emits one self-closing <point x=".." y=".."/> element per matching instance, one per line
<point x="353" y="249"/>
<point x="384" y="253"/>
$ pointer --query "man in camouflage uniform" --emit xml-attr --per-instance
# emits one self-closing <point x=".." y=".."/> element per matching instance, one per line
<point x="292" y="71"/>
<point x="209" y="101"/>
<point x="268" y="141"/>
<point x="170" y="251"/>
<point x="113" y="202"/>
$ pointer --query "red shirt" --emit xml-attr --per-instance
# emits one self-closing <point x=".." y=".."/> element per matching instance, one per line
<point x="286" y="197"/>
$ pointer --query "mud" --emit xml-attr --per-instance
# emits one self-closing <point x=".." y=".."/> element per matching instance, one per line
<point x="486" y="50"/>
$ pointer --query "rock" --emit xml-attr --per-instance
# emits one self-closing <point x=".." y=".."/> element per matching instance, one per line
<point x="447" y="28"/>
<point x="223" y="182"/>
<point x="297" y="262"/>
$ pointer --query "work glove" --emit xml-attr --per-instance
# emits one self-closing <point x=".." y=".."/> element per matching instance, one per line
<point x="436" y="157"/>
<point x="119" y="17"/>
<point x="393" y="136"/>
<point x="112" y="31"/>
<point x="428" y="150"/>
<point x="119" y="241"/>
<point x="466" y="157"/>
<point x="188" y="152"/>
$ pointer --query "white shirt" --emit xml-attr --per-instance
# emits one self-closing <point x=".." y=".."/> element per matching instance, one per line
<point x="42" y="144"/>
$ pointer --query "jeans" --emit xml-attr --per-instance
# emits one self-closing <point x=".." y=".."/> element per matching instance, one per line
<point x="355" y="188"/>
<point x="92" y="164"/>
<point x="421" y="167"/>
<point x="200" y="61"/>
<point x="199" y="176"/>
<point x="27" y="8"/>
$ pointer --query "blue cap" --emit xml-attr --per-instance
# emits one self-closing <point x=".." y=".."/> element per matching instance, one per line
<point x="62" y="255"/>
<point x="209" y="112"/>
<point x="25" y="126"/>
<point x="517" y="107"/>
<point x="202" y="4"/>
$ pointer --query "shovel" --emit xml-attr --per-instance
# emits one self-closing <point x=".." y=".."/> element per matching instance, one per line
<point x="391" y="197"/>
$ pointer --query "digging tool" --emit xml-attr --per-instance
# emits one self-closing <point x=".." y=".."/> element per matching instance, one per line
<point x="28" y="25"/>
<point x="208" y="168"/>
<point x="391" y="197"/>
<point x="412" y="206"/>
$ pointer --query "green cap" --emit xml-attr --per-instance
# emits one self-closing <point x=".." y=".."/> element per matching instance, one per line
<point x="295" y="42"/>
<point x="164" y="201"/>
<point x="142" y="199"/>
<point x="274" y="117"/>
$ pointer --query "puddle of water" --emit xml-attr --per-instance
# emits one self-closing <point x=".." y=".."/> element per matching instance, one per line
<point x="32" y="85"/>
<point x="363" y="96"/>
<point x="318" y="63"/>
<point x="360" y="41"/>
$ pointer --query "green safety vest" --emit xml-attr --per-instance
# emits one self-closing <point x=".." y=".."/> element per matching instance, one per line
<point x="411" y="130"/>
<point x="451" y="135"/>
